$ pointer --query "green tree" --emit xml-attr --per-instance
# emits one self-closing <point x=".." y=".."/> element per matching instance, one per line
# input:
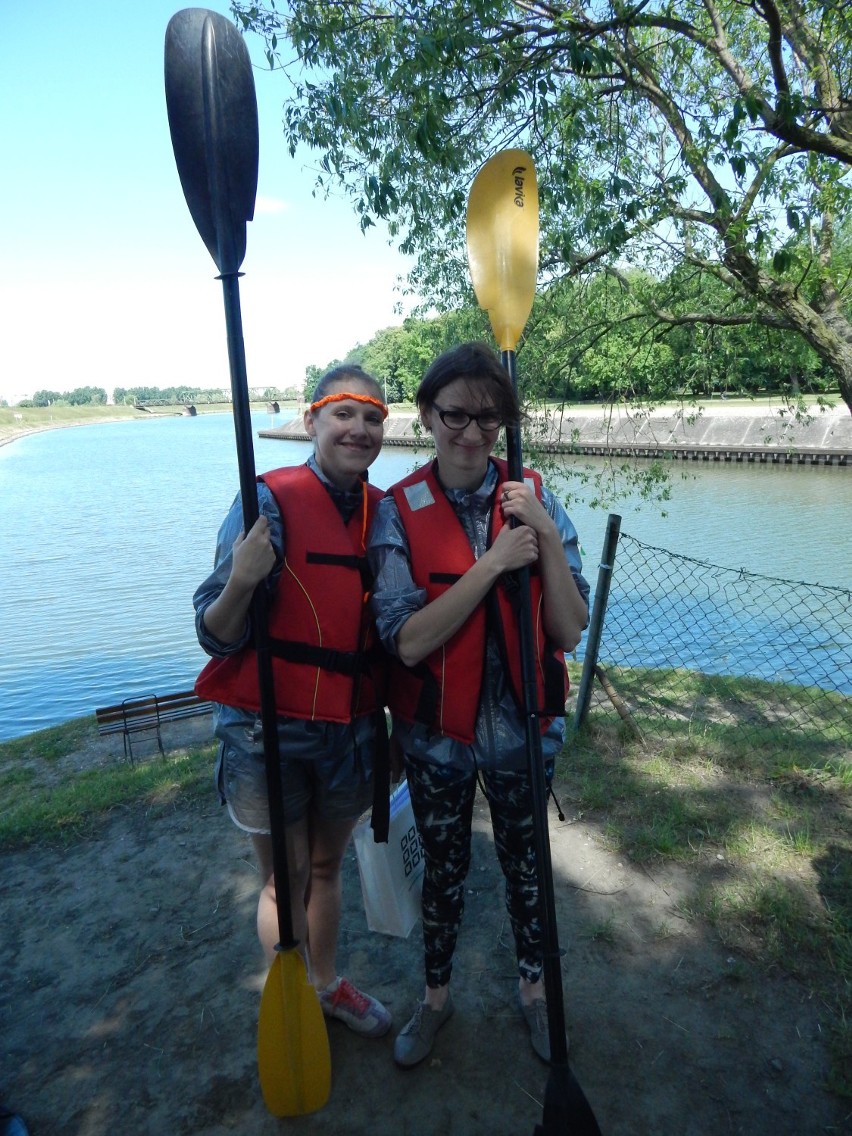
<point x="46" y="398"/>
<point x="709" y="134"/>
<point x="399" y="356"/>
<point x="87" y="396"/>
<point x="313" y="374"/>
<point x="587" y="340"/>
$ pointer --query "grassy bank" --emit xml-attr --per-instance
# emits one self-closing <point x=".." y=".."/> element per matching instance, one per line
<point x="16" y="421"/>
<point x="762" y="831"/>
<point x="58" y="786"/>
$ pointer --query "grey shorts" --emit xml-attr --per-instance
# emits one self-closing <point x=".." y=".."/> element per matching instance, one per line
<point x="326" y="768"/>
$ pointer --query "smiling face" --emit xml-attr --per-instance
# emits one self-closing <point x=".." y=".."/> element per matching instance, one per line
<point x="347" y="434"/>
<point x="462" y="454"/>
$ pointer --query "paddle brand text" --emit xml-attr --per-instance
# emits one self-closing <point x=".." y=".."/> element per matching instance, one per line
<point x="518" y="174"/>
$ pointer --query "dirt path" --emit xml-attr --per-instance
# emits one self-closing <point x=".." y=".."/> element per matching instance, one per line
<point x="131" y="979"/>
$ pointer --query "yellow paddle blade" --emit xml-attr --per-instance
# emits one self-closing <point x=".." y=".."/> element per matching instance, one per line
<point x="293" y="1058"/>
<point x="502" y="242"/>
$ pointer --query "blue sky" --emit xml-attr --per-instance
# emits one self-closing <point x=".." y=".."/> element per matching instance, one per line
<point x="104" y="279"/>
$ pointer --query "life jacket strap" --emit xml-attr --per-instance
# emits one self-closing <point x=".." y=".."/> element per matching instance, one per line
<point x="348" y="663"/>
<point x="554" y="686"/>
<point x="359" y="564"/>
<point x="335" y="559"/>
<point x="380" y="816"/>
<point x="430" y="694"/>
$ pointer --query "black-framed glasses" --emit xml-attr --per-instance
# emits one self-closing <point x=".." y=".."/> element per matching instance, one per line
<point x="460" y="419"/>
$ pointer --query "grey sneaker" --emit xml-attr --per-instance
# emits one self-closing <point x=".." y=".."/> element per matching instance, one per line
<point x="414" y="1041"/>
<point x="535" y="1015"/>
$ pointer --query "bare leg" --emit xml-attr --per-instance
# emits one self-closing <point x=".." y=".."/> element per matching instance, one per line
<point x="298" y="865"/>
<point x="436" y="996"/>
<point x="315" y="853"/>
<point x="323" y="898"/>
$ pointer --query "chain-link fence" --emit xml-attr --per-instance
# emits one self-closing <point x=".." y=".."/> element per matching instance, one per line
<point x="688" y="645"/>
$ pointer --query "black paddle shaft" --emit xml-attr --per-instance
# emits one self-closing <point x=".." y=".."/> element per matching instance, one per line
<point x="566" y="1110"/>
<point x="535" y="764"/>
<point x="259" y="611"/>
<point x="212" y="112"/>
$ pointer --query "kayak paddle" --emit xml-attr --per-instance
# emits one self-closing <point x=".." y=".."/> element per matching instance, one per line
<point x="502" y="253"/>
<point x="212" y="113"/>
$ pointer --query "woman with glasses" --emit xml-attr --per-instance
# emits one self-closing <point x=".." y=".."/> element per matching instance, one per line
<point x="443" y="548"/>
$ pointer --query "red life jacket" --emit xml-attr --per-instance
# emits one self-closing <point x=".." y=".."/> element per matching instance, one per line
<point x="443" y="691"/>
<point x="326" y="663"/>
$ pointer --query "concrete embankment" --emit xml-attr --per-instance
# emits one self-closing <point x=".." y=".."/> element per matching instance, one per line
<point x="753" y="433"/>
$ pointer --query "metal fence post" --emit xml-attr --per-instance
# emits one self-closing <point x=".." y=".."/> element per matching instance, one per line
<point x="590" y="659"/>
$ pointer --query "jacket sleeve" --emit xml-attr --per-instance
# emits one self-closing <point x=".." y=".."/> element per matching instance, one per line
<point x="570" y="542"/>
<point x="207" y="592"/>
<point x="395" y="596"/>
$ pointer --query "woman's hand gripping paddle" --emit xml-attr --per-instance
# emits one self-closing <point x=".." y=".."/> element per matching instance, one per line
<point x="502" y="253"/>
<point x="213" y="121"/>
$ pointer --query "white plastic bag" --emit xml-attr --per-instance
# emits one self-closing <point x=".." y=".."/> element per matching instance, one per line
<point x="391" y="874"/>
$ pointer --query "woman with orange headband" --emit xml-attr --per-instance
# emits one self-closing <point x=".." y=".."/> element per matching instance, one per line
<point x="309" y="546"/>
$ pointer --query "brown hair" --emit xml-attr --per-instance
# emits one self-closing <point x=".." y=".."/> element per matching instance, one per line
<point x="342" y="372"/>
<point x="475" y="363"/>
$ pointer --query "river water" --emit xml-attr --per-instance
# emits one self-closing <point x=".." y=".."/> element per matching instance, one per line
<point x="107" y="530"/>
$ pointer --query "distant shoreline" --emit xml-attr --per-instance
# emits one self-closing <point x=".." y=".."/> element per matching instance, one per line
<point x="13" y="433"/>
<point x="7" y="437"/>
<point x="716" y="408"/>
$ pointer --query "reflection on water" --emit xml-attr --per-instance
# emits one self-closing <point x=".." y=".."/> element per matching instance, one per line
<point x="788" y="521"/>
<point x="108" y="529"/>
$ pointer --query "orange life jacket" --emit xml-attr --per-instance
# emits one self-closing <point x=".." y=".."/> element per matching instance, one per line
<point x="326" y="662"/>
<point x="443" y="691"/>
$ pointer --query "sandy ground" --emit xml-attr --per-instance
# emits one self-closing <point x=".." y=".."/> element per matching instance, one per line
<point x="131" y="982"/>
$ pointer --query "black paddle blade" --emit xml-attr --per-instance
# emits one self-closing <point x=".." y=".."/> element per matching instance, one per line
<point x="566" y="1110"/>
<point x="212" y="112"/>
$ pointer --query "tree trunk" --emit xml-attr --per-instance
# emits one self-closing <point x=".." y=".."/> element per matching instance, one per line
<point x="827" y="330"/>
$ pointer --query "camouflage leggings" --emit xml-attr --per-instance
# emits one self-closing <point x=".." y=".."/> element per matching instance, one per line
<point x="442" y="800"/>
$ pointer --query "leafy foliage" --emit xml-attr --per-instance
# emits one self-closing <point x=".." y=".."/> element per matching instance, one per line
<point x="80" y="396"/>
<point x="398" y="356"/>
<point x="587" y="342"/>
<point x="702" y="135"/>
<point x="46" y="398"/>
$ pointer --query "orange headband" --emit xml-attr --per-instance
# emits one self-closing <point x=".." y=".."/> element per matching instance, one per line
<point x="357" y="398"/>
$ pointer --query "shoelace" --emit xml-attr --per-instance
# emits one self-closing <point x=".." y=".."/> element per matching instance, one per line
<point x="346" y="990"/>
<point x="416" y="1022"/>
